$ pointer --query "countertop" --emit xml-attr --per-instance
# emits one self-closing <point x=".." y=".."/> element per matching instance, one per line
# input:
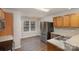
<point x="74" y="41"/>
<point x="5" y="38"/>
<point x="58" y="43"/>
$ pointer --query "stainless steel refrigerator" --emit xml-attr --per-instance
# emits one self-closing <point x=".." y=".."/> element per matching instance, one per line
<point x="46" y="28"/>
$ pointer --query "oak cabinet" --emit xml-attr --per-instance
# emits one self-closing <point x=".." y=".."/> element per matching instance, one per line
<point x="74" y="21"/>
<point x="66" y="21"/>
<point x="8" y="25"/>
<point x="55" y="21"/>
<point x="71" y="21"/>
<point x="58" y="21"/>
<point x="6" y="45"/>
<point x="2" y="16"/>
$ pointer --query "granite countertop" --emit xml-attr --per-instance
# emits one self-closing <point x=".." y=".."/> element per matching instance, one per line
<point x="74" y="41"/>
<point x="58" y="43"/>
<point x="5" y="38"/>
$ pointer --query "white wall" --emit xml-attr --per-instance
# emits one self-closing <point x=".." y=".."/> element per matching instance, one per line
<point x="47" y="19"/>
<point x="66" y="12"/>
<point x="17" y="29"/>
<point x="31" y="33"/>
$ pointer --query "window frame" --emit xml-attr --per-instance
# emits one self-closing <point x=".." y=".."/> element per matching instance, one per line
<point x="33" y="25"/>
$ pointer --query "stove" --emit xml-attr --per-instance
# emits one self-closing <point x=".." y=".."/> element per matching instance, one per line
<point x="54" y="35"/>
<point x="59" y="37"/>
<point x="64" y="38"/>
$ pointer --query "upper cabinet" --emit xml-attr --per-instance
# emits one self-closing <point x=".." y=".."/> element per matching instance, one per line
<point x="74" y="21"/>
<point x="8" y="25"/>
<point x="2" y="16"/>
<point x="58" y="21"/>
<point x="55" y="21"/>
<point x="71" y="21"/>
<point x="66" y="21"/>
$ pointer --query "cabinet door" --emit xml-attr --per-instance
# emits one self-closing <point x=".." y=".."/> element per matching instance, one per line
<point x="55" y="21"/>
<point x="59" y="21"/>
<point x="8" y="25"/>
<point x="74" y="20"/>
<point x="66" y="21"/>
<point x="2" y="14"/>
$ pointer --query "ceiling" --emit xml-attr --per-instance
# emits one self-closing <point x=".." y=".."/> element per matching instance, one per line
<point x="31" y="12"/>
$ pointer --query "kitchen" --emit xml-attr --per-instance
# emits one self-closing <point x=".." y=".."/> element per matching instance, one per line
<point x="63" y="27"/>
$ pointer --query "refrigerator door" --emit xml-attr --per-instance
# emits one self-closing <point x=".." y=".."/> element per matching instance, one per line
<point x="46" y="28"/>
<point x="43" y="28"/>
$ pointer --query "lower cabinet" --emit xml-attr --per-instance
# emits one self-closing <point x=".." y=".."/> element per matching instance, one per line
<point x="51" y="47"/>
<point x="6" y="45"/>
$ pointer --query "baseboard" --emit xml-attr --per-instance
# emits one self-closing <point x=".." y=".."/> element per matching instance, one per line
<point x="17" y="47"/>
<point x="30" y="36"/>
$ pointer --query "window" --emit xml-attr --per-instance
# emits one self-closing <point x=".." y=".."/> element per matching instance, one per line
<point x="29" y="25"/>
<point x="26" y="25"/>
<point x="32" y="25"/>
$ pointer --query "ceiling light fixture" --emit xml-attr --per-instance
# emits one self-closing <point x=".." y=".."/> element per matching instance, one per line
<point x="43" y="9"/>
<point x="69" y="8"/>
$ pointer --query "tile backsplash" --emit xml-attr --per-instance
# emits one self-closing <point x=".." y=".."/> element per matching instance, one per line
<point x="67" y="32"/>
